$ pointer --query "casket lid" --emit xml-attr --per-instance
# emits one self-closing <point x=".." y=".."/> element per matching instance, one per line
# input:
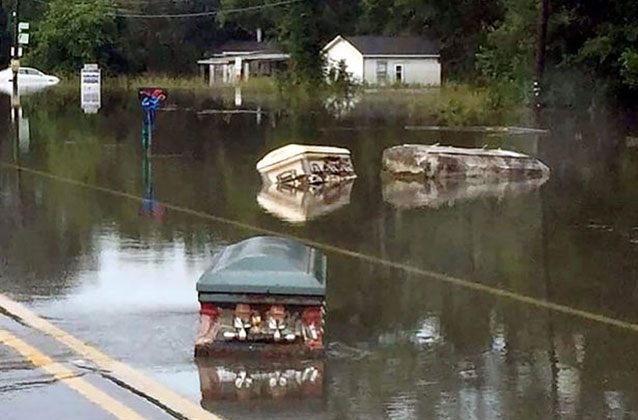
<point x="266" y="265"/>
<point x="293" y="151"/>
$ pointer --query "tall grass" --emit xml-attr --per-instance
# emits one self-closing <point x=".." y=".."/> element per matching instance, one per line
<point x="187" y="82"/>
<point x="452" y="104"/>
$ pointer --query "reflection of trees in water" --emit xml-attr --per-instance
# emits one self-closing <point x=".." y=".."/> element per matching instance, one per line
<point x="590" y="203"/>
<point x="494" y="358"/>
<point x="40" y="244"/>
<point x="508" y="371"/>
<point x="441" y="351"/>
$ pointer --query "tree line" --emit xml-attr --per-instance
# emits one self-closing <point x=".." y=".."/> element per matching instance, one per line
<point x="483" y="41"/>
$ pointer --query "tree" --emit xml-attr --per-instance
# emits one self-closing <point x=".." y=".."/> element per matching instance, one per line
<point x="459" y="26"/>
<point x="297" y="26"/>
<point x="73" y="33"/>
<point x="629" y="70"/>
<point x="506" y="58"/>
<point x="5" y="38"/>
<point x="265" y="18"/>
<point x="376" y="15"/>
<point x="301" y="33"/>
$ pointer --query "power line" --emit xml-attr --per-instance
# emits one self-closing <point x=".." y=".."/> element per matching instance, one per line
<point x="125" y="2"/>
<point x="86" y="3"/>
<point x="201" y="14"/>
<point x="151" y="2"/>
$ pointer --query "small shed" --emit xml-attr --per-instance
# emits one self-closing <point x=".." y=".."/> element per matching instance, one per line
<point x="383" y="60"/>
<point x="239" y="60"/>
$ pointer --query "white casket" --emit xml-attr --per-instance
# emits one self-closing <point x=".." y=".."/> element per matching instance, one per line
<point x="298" y="165"/>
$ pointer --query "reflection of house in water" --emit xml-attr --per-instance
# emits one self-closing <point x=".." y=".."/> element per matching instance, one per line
<point x="227" y="114"/>
<point x="298" y="205"/>
<point x="239" y="60"/>
<point x="236" y="388"/>
<point x="406" y="194"/>
<point x="341" y="106"/>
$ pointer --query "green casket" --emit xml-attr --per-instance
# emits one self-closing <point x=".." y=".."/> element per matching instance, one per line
<point x="265" y="265"/>
<point x="263" y="293"/>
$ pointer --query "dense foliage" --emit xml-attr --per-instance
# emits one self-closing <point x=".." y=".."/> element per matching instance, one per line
<point x="71" y="34"/>
<point x="4" y="35"/>
<point x="485" y="41"/>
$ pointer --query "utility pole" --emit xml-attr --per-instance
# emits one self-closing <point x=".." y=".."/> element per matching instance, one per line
<point x="15" y="59"/>
<point x="540" y="50"/>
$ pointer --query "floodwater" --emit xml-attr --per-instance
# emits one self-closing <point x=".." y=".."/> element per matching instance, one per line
<point x="120" y="273"/>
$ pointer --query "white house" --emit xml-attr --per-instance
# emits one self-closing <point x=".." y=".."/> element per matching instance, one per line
<point x="380" y="60"/>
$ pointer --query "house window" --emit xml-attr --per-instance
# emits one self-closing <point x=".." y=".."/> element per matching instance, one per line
<point x="382" y="71"/>
<point x="398" y="73"/>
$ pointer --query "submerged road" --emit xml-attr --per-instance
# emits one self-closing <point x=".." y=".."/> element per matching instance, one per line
<point x="518" y="306"/>
<point x="88" y="383"/>
<point x="428" y="274"/>
<point x="141" y="390"/>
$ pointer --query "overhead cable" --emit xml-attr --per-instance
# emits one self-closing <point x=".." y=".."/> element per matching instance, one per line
<point x="202" y="14"/>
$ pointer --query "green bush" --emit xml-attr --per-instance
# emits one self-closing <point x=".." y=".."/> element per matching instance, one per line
<point x="629" y="67"/>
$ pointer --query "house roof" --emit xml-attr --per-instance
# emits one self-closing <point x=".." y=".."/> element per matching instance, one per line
<point x="391" y="45"/>
<point x="234" y="46"/>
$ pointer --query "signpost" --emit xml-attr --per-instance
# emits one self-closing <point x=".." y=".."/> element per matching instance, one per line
<point x="20" y="37"/>
<point x="151" y="100"/>
<point x="91" y="88"/>
<point x="23" y="33"/>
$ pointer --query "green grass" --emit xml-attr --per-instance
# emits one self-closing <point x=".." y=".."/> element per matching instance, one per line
<point x="134" y="82"/>
<point x="260" y="85"/>
<point x="453" y="104"/>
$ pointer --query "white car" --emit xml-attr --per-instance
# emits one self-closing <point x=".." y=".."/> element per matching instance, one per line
<point x="28" y="75"/>
<point x="29" y="80"/>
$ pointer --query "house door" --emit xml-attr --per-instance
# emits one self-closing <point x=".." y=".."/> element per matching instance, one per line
<point x="382" y="72"/>
<point x="398" y="73"/>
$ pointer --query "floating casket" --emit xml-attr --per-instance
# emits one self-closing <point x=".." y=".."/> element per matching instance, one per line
<point x="265" y="293"/>
<point x="298" y="205"/>
<point x="418" y="161"/>
<point x="407" y="194"/>
<point x="297" y="164"/>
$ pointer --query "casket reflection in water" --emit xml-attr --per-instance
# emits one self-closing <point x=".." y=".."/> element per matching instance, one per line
<point x="407" y="194"/>
<point x="236" y="388"/>
<point x="300" y="204"/>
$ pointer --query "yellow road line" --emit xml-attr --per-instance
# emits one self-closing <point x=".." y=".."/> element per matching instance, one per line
<point x="140" y="383"/>
<point x="69" y="378"/>
<point x="444" y="278"/>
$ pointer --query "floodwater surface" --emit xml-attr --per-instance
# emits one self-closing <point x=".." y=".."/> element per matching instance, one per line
<point x="108" y="243"/>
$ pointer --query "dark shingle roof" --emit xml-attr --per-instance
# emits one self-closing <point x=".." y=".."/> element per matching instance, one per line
<point x="249" y="46"/>
<point x="393" y="45"/>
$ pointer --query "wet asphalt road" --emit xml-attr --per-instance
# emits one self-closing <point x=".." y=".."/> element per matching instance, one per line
<point x="27" y="391"/>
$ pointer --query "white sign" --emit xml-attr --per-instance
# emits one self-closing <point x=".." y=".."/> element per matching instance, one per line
<point x="23" y="26"/>
<point x="13" y="50"/>
<point x="23" y="39"/>
<point x="91" y="88"/>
